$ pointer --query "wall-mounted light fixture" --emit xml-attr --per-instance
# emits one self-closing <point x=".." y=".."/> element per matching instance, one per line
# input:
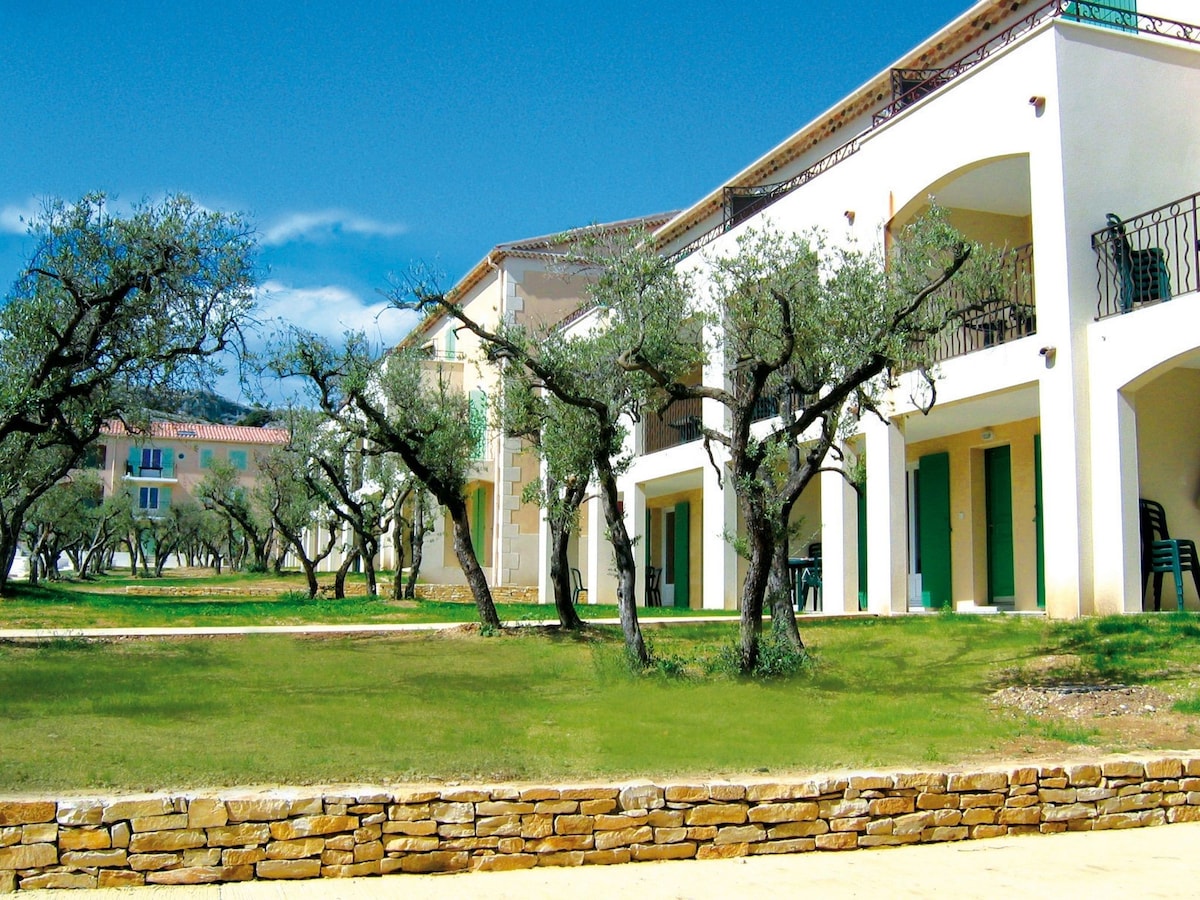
<point x="849" y="214"/>
<point x="1038" y="102"/>
<point x="986" y="434"/>
<point x="1049" y="352"/>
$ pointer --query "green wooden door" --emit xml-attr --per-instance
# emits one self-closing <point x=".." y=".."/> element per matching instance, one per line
<point x="1038" y="522"/>
<point x="479" y="523"/>
<point x="861" y="494"/>
<point x="933" y="529"/>
<point x="680" y="541"/>
<point x="997" y="465"/>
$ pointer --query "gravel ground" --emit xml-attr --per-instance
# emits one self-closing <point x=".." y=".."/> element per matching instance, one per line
<point x="1083" y="701"/>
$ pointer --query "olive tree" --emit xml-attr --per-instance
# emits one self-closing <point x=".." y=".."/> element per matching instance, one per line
<point x="108" y="310"/>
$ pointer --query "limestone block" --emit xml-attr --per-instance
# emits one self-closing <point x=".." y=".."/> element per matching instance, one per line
<point x="768" y="791"/>
<point x="872" y="782"/>
<point x="556" y="807"/>
<point x="465" y="795"/>
<point x="510" y="845"/>
<point x="725" y="851"/>
<point x="10" y="835"/>
<point x="537" y="826"/>
<point x="566" y="859"/>
<point x="979" y="817"/>
<point x="615" y="857"/>
<point x="340" y="842"/>
<point x="943" y="818"/>
<point x="927" y="800"/>
<point x="8" y="882"/>
<point x="881" y="826"/>
<point x="850" y="823"/>
<point x="242" y="856"/>
<point x="1023" y="775"/>
<point x="426" y="827"/>
<point x="94" y="859"/>
<point x="435" y="862"/>
<point x="168" y="822"/>
<point x="365" y="809"/>
<point x="118" y="810"/>
<point x="740" y="834"/>
<point x="974" y="801"/>
<point x="686" y="793"/>
<point x="156" y="841"/>
<point x="597" y="807"/>
<point x="641" y="796"/>
<point x="80" y="812"/>
<point x="562" y="825"/>
<point x="298" y="849"/>
<point x="118" y="878"/>
<point x="337" y="858"/>
<point x="1164" y="768"/>
<point x="624" y="820"/>
<point x="1092" y="794"/>
<point x="1067" y="813"/>
<point x="456" y="831"/>
<point x="670" y="835"/>
<point x="239" y="835"/>
<point x="717" y="814"/>
<point x="798" y="829"/>
<point x="1056" y="783"/>
<point x="503" y="808"/>
<point x="50" y="880"/>
<point x="505" y="863"/>
<point x="786" y="812"/>
<point x="367" y="833"/>
<point x="369" y="851"/>
<point x="724" y="792"/>
<point x="1053" y="827"/>
<point x="977" y="781"/>
<point x="188" y="875"/>
<point x="794" y="845"/>
<point x="841" y="840"/>
<point x="28" y="856"/>
<point x="589" y="792"/>
<point x="665" y="818"/>
<point x="148" y="862"/>
<point x="410" y="844"/>
<point x="205" y="812"/>
<point x="288" y="868"/>
<point x="1063" y="795"/>
<point x="1123" y="769"/>
<point x="891" y="806"/>
<point x="1087" y="775"/>
<point x="26" y="812"/>
<point x="41" y="833"/>
<point x="309" y="826"/>
<point x="607" y="840"/>
<point x="702" y="833"/>
<point x="353" y="870"/>
<point x="408" y="812"/>
<point x="646" y="852"/>
<point x="934" y="782"/>
<point x="540" y="793"/>
<point x="1023" y="801"/>
<point x="120" y="834"/>
<point x="1184" y="814"/>
<point x="914" y="823"/>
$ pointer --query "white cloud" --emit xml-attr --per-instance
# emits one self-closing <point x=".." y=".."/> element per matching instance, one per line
<point x="15" y="219"/>
<point x="331" y="310"/>
<point x="321" y="225"/>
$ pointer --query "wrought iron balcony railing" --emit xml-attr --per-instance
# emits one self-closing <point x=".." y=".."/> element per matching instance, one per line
<point x="911" y="85"/>
<point x="679" y="424"/>
<point x="1148" y="258"/>
<point x="978" y="325"/>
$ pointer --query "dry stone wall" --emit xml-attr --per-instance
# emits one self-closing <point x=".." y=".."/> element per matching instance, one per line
<point x="282" y="834"/>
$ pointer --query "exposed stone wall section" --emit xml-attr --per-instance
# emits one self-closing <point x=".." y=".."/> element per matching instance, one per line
<point x="447" y="592"/>
<point x="197" y="839"/>
<point x="462" y="593"/>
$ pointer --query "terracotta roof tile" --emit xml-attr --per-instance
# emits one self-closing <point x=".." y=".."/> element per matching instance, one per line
<point x="201" y="431"/>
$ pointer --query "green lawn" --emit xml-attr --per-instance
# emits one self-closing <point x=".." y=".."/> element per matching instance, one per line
<point x="103" y="603"/>
<point x="527" y="705"/>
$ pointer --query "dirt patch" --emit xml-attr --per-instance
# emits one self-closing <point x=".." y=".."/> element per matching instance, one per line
<point x="1083" y="701"/>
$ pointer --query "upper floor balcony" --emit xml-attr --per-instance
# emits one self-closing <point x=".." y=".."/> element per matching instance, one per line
<point x="1147" y="258"/>
<point x="1006" y="316"/>
<point x="147" y="463"/>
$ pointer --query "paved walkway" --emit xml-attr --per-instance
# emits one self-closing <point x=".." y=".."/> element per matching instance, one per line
<point x="1141" y="862"/>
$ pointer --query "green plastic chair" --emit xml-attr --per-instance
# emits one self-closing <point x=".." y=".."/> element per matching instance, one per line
<point x="1162" y="553"/>
<point x="1143" y="273"/>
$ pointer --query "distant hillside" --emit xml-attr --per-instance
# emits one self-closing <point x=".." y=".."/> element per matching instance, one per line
<point x="205" y="406"/>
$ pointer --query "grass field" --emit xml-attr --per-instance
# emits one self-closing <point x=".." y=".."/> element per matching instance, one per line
<point x="103" y="603"/>
<point x="528" y="705"/>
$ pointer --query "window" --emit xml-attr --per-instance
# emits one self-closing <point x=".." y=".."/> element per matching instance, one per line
<point x="451" y="344"/>
<point x="206" y="458"/>
<point x="151" y="458"/>
<point x="148" y="499"/>
<point x="95" y="457"/>
<point x="238" y="459"/>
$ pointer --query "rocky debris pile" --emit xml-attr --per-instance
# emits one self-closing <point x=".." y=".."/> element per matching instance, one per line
<point x="1083" y="701"/>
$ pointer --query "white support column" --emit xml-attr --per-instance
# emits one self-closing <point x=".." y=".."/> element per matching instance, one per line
<point x="601" y="587"/>
<point x="720" y="562"/>
<point x="1115" y="524"/>
<point x="635" y="523"/>
<point x="1067" y="485"/>
<point x="839" y="544"/>
<point x="545" y="589"/>
<point x="887" y="561"/>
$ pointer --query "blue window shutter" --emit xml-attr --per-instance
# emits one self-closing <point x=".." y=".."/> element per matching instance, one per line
<point x="135" y="458"/>
<point x="164" y="498"/>
<point x="206" y="458"/>
<point x="238" y="458"/>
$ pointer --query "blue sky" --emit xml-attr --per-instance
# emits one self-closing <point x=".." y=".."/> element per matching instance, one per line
<point x="360" y="137"/>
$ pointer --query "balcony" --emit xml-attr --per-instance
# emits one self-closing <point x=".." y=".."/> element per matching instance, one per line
<point x="977" y="325"/>
<point x="679" y="424"/>
<point x="1148" y="258"/>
